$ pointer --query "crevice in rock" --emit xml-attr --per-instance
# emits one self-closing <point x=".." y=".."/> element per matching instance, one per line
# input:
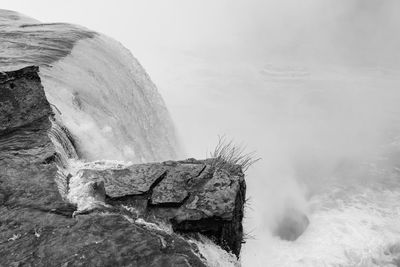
<point x="50" y="159"/>
<point x="198" y="175"/>
<point x="155" y="183"/>
<point x="168" y="204"/>
<point x="140" y="201"/>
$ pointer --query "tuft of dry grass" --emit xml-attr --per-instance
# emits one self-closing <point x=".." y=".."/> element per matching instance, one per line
<point x="228" y="155"/>
<point x="248" y="236"/>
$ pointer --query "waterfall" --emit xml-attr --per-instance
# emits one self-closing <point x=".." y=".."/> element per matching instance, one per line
<point x="104" y="96"/>
<point x="108" y="113"/>
<point x="65" y="154"/>
<point x="63" y="143"/>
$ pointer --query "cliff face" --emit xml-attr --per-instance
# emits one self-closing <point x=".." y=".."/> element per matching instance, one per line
<point x="149" y="213"/>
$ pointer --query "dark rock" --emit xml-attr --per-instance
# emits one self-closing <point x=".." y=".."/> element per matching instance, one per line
<point x="192" y="195"/>
<point x="89" y="240"/>
<point x="20" y="103"/>
<point x="36" y="224"/>
<point x="172" y="189"/>
<point x="24" y="143"/>
<point x="134" y="180"/>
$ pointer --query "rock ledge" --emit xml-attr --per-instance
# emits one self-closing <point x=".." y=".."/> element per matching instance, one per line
<point x="36" y="225"/>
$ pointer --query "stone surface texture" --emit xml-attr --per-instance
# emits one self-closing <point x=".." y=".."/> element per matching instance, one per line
<point x="36" y="225"/>
<point x="191" y="194"/>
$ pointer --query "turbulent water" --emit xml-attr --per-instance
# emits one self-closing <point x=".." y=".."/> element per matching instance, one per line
<point x="339" y="134"/>
<point x="329" y="136"/>
<point x="107" y="111"/>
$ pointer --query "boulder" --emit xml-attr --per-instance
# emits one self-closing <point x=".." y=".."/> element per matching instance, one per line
<point x="193" y="195"/>
<point x="36" y="223"/>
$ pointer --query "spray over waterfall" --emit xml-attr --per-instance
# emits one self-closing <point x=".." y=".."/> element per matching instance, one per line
<point x="311" y="85"/>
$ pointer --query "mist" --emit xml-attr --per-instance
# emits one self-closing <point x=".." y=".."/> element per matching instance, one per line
<point x="311" y="86"/>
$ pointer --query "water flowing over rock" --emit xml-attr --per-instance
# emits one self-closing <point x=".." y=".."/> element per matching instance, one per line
<point x="192" y="195"/>
<point x="149" y="213"/>
<point x="79" y="119"/>
<point x="96" y="87"/>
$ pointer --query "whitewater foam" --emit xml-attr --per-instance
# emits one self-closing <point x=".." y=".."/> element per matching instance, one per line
<point x="214" y="255"/>
<point x="350" y="225"/>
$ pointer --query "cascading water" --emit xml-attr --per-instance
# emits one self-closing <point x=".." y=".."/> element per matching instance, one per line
<point x="105" y="105"/>
<point x="65" y="153"/>
<point x="328" y="135"/>
<point x="63" y="142"/>
<point x="107" y="111"/>
<point x="101" y="91"/>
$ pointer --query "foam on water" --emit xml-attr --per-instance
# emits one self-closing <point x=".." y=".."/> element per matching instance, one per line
<point x="351" y="224"/>
<point x="309" y="124"/>
<point x="214" y="255"/>
<point x="317" y="128"/>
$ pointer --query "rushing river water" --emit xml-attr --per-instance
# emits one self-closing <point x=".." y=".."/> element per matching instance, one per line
<point x="328" y="135"/>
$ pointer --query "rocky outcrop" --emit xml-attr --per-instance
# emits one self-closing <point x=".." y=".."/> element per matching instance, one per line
<point x="192" y="195"/>
<point x="151" y="210"/>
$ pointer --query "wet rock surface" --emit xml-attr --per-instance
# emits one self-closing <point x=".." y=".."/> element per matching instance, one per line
<point x="134" y="180"/>
<point x="192" y="195"/>
<point x="36" y="224"/>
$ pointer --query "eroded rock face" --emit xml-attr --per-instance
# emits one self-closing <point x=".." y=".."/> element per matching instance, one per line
<point x="24" y="144"/>
<point x="36" y="226"/>
<point x="36" y="223"/>
<point x="134" y="180"/>
<point x="192" y="195"/>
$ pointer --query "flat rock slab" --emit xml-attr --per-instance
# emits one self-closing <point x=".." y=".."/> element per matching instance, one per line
<point x="133" y="180"/>
<point x="36" y="226"/>
<point x="193" y="195"/>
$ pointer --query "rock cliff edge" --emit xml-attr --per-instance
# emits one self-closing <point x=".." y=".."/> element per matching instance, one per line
<point x="150" y="214"/>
